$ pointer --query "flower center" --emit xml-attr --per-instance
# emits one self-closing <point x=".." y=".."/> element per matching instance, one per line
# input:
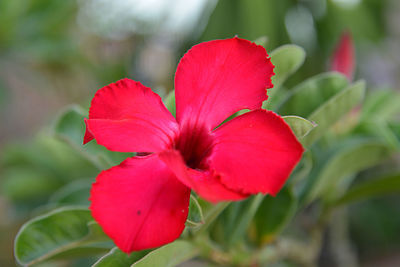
<point x="194" y="144"/>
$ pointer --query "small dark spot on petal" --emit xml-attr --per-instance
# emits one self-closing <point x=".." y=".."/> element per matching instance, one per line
<point x="138" y="212"/>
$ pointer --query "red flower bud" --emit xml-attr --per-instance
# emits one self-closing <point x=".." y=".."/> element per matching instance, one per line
<point x="343" y="59"/>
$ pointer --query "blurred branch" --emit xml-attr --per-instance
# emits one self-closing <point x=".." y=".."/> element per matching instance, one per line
<point x="340" y="243"/>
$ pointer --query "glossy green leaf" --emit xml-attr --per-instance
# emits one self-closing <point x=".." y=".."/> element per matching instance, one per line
<point x="274" y="213"/>
<point x="334" y="109"/>
<point x="300" y="126"/>
<point x="117" y="258"/>
<point x="371" y="188"/>
<point x="345" y="163"/>
<point x="306" y="97"/>
<point x="169" y="255"/>
<point x="61" y="233"/>
<point x="70" y="127"/>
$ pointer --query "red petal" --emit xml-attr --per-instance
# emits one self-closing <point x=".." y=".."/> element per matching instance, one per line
<point x="128" y="117"/>
<point x="140" y="204"/>
<point x="205" y="183"/>
<point x="255" y="152"/>
<point x="88" y="136"/>
<point x="343" y="57"/>
<point x="217" y="78"/>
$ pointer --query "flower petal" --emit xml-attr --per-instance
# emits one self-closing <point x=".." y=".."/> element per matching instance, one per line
<point x="206" y="183"/>
<point x="140" y="204"/>
<point x="217" y="78"/>
<point x="255" y="152"/>
<point x="128" y="117"/>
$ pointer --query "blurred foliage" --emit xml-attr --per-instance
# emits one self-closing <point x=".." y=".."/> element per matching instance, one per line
<point x="352" y="158"/>
<point x="314" y="25"/>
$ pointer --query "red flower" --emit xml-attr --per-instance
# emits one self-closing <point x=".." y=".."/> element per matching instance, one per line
<point x="143" y="202"/>
<point x="343" y="57"/>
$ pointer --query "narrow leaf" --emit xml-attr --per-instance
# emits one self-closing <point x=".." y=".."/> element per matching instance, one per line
<point x="334" y="109"/>
<point x="274" y="213"/>
<point x="246" y="215"/>
<point x="371" y="188"/>
<point x="345" y="163"/>
<point x="381" y="104"/>
<point x="306" y="97"/>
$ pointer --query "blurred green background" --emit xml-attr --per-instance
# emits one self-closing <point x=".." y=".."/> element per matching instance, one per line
<point x="57" y="53"/>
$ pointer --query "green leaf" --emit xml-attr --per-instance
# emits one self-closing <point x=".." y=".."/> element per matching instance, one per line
<point x="381" y="129"/>
<point x="334" y="109"/>
<point x="74" y="193"/>
<point x="301" y="171"/>
<point x="300" y="126"/>
<point x="247" y="211"/>
<point x="70" y="123"/>
<point x="345" y="163"/>
<point x="211" y="213"/>
<point x="60" y="233"/>
<point x="274" y="213"/>
<point x="381" y="105"/>
<point x="395" y="129"/>
<point x="371" y="188"/>
<point x="170" y="102"/>
<point x="195" y="216"/>
<point x="48" y="156"/>
<point x="287" y="59"/>
<point x="262" y="40"/>
<point x="70" y="127"/>
<point x="22" y="184"/>
<point x="169" y="255"/>
<point x="117" y="258"/>
<point x="310" y="94"/>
